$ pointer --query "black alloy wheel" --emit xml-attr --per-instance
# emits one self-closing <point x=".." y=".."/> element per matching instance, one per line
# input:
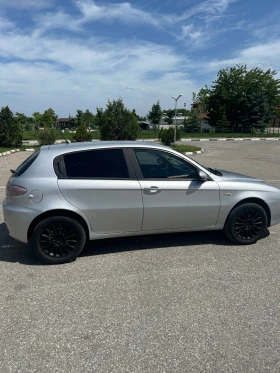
<point x="246" y="224"/>
<point x="58" y="239"/>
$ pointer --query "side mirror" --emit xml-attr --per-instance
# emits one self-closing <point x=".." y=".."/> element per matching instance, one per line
<point x="202" y="175"/>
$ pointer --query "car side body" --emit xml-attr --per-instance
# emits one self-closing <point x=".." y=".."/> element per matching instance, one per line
<point x="121" y="188"/>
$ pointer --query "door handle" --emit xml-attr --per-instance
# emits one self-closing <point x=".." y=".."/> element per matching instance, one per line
<point x="151" y="190"/>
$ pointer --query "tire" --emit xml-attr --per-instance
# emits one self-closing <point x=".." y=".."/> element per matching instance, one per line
<point x="246" y="224"/>
<point x="57" y="240"/>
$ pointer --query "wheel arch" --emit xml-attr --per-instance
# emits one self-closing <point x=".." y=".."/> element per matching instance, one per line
<point x="60" y="212"/>
<point x="257" y="201"/>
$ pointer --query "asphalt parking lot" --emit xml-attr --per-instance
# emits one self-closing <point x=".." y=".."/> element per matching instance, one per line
<point x="174" y="303"/>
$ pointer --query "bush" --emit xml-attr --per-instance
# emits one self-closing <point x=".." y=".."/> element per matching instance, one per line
<point x="82" y="134"/>
<point x="254" y="131"/>
<point x="46" y="136"/>
<point x="167" y="136"/>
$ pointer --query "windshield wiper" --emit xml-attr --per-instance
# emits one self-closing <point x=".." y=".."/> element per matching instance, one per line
<point x="214" y="171"/>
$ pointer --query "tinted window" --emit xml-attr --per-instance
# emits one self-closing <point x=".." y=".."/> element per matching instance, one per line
<point x="27" y="163"/>
<point x="103" y="163"/>
<point x="159" y="164"/>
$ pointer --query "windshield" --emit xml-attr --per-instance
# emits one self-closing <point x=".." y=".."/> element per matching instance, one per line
<point x="212" y="170"/>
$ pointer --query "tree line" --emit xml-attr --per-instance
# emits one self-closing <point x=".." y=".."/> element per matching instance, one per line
<point x="239" y="99"/>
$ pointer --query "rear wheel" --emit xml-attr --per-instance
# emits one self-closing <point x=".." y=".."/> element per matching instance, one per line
<point x="58" y="240"/>
<point x="246" y="224"/>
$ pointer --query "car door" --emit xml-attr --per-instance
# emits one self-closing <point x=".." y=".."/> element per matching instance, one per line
<point x="102" y="185"/>
<point x="173" y="195"/>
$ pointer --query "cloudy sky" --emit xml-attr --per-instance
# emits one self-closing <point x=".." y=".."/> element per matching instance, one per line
<point x="77" y="54"/>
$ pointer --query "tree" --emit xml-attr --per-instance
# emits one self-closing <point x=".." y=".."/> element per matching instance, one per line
<point x="117" y="122"/>
<point x="46" y="121"/>
<point x="82" y="134"/>
<point x="241" y="97"/>
<point x="169" y="115"/>
<point x="259" y="112"/>
<point x="98" y="117"/>
<point x="155" y="114"/>
<point x="10" y="131"/>
<point x="37" y="119"/>
<point x="223" y="124"/>
<point x="50" y="117"/>
<point x="193" y="122"/>
<point x="21" y="120"/>
<point x="86" y="118"/>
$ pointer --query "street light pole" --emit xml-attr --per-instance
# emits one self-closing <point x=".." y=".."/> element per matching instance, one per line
<point x="176" y="99"/>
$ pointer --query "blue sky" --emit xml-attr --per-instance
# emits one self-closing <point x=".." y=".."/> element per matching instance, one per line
<point x="77" y="54"/>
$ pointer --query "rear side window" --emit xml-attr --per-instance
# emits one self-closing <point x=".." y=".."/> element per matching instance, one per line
<point x="26" y="164"/>
<point x="101" y="164"/>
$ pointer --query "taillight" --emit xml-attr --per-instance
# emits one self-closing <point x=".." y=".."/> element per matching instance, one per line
<point x="15" y="190"/>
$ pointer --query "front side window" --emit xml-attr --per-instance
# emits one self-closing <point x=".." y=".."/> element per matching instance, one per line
<point x="100" y="164"/>
<point x="156" y="164"/>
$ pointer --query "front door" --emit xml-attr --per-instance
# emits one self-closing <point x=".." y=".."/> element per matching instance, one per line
<point x="173" y="195"/>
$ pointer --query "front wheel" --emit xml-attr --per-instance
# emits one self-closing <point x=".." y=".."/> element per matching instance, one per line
<point x="58" y="240"/>
<point x="246" y="224"/>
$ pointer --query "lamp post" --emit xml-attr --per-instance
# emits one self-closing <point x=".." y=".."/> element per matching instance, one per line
<point x="176" y="99"/>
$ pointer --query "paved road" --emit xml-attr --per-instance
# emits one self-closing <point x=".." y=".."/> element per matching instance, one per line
<point x="179" y="303"/>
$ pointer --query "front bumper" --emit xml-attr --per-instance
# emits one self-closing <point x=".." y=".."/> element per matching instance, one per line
<point x="275" y="211"/>
<point x="18" y="220"/>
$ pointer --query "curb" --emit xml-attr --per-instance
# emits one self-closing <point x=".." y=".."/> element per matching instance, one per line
<point x="9" y="152"/>
<point x="197" y="152"/>
<point x="235" y="139"/>
<point x="4" y="154"/>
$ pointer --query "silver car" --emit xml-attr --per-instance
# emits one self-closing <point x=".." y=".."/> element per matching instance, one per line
<point x="64" y="195"/>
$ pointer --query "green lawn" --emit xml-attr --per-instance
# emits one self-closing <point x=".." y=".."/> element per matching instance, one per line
<point x="2" y="150"/>
<point x="185" y="148"/>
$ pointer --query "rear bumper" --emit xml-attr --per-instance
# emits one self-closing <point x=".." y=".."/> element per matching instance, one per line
<point x="18" y="220"/>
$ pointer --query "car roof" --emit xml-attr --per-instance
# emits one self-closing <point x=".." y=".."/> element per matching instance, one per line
<point x="57" y="149"/>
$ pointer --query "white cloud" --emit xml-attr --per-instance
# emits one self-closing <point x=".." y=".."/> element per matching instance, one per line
<point x="265" y="56"/>
<point x="41" y="85"/>
<point x="81" y="74"/>
<point x="43" y="68"/>
<point x="197" y="34"/>
<point x="192" y="35"/>
<point x="207" y="8"/>
<point x="5" y="24"/>
<point x="186" y="30"/>
<point x="56" y="20"/>
<point x="124" y="12"/>
<point x="205" y="23"/>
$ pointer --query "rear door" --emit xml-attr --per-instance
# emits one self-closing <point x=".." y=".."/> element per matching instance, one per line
<point x="101" y="183"/>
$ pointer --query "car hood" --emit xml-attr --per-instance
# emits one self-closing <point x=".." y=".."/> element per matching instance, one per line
<point x="232" y="176"/>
